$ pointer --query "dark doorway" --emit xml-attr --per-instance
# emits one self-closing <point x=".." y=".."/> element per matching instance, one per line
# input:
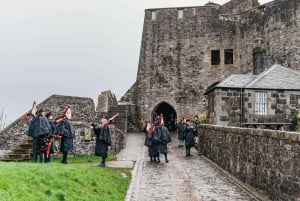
<point x="169" y="115"/>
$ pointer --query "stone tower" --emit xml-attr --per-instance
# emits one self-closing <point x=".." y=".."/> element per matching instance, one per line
<point x="184" y="50"/>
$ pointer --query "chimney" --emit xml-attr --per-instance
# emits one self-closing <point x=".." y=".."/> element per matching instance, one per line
<point x="259" y="55"/>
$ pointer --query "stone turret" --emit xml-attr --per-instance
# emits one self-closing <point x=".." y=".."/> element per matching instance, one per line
<point x="105" y="100"/>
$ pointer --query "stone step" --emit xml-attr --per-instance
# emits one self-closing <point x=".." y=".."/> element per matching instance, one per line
<point x="26" y="146"/>
<point x="22" y="151"/>
<point x="11" y="160"/>
<point x="29" y="141"/>
<point x="18" y="156"/>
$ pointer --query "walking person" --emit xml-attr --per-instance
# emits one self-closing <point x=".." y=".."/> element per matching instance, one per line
<point x="162" y="137"/>
<point x="180" y="129"/>
<point x="153" y="151"/>
<point x="189" y="138"/>
<point x="67" y="132"/>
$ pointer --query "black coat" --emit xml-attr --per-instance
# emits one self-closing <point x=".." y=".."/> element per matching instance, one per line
<point x="53" y="127"/>
<point x="161" y="137"/>
<point x="180" y="126"/>
<point x="39" y="126"/>
<point x="103" y="140"/>
<point x="67" y="131"/>
<point x="189" y="137"/>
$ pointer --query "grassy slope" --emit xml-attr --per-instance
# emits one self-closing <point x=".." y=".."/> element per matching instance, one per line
<point x="78" y="180"/>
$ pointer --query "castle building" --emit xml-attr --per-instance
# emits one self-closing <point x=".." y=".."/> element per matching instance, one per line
<point x="185" y="50"/>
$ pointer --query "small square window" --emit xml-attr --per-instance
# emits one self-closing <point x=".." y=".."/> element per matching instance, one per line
<point x="228" y="53"/>
<point x="180" y="14"/>
<point x="153" y="15"/>
<point x="215" y="57"/>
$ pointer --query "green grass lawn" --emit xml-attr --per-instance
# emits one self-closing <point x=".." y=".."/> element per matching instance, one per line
<point x="80" y="180"/>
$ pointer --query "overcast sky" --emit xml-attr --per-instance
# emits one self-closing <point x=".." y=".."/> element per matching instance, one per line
<point x="70" y="47"/>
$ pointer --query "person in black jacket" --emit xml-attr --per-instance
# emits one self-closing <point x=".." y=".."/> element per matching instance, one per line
<point x="180" y="127"/>
<point x="161" y="138"/>
<point x="67" y="131"/>
<point x="103" y="140"/>
<point x="189" y="138"/>
<point x="39" y="128"/>
<point x="49" y="150"/>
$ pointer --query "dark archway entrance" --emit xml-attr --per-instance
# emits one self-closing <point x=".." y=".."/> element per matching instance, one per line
<point x="169" y="115"/>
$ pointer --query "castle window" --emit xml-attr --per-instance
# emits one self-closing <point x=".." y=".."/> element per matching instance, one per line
<point x="180" y="14"/>
<point x="215" y="57"/>
<point x="153" y="15"/>
<point x="261" y="103"/>
<point x="228" y="53"/>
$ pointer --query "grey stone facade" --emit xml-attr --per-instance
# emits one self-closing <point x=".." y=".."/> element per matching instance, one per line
<point x="175" y="65"/>
<point x="225" y="107"/>
<point x="234" y="101"/>
<point x="265" y="159"/>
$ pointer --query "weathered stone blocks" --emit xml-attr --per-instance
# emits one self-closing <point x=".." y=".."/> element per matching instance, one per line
<point x="265" y="159"/>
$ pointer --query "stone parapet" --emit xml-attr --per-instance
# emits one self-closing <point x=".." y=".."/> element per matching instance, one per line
<point x="265" y="159"/>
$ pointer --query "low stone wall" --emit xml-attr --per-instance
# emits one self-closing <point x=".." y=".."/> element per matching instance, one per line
<point x="268" y="160"/>
<point x="85" y="143"/>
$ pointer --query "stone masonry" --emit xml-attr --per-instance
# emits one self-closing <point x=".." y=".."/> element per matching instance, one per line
<point x="265" y="159"/>
<point x="83" y="114"/>
<point x="178" y="46"/>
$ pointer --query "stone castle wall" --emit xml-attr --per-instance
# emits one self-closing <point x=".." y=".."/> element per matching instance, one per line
<point x="277" y="23"/>
<point x="265" y="159"/>
<point x="175" y="56"/>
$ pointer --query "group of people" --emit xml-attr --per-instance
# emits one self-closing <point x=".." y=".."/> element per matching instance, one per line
<point x="50" y="135"/>
<point x="56" y="135"/>
<point x="157" y="139"/>
<point x="187" y="131"/>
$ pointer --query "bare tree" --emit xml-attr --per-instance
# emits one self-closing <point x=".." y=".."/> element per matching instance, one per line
<point x="2" y="119"/>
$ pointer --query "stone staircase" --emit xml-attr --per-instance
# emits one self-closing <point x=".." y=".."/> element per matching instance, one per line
<point x="21" y="153"/>
<point x="121" y="121"/>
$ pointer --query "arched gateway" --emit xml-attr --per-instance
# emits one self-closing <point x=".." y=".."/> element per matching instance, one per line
<point x="168" y="112"/>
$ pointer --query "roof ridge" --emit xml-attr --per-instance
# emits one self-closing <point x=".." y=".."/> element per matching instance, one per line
<point x="261" y="75"/>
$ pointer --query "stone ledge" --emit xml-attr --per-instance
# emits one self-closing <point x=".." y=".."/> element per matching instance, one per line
<point x="282" y="135"/>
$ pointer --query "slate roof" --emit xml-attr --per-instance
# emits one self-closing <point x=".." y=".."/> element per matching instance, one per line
<point x="276" y="77"/>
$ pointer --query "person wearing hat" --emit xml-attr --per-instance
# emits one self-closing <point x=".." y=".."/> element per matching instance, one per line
<point x="67" y="132"/>
<point x="39" y="128"/>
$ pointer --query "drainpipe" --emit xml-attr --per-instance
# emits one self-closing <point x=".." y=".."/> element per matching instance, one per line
<point x="242" y="110"/>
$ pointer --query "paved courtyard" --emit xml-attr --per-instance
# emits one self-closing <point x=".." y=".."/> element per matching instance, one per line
<point x="192" y="178"/>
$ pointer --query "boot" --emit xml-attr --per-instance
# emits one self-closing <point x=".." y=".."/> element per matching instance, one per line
<point x="65" y="155"/>
<point x="187" y="152"/>
<point x="166" y="158"/>
<point x="158" y="161"/>
<point x="102" y="164"/>
<point x="35" y="158"/>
